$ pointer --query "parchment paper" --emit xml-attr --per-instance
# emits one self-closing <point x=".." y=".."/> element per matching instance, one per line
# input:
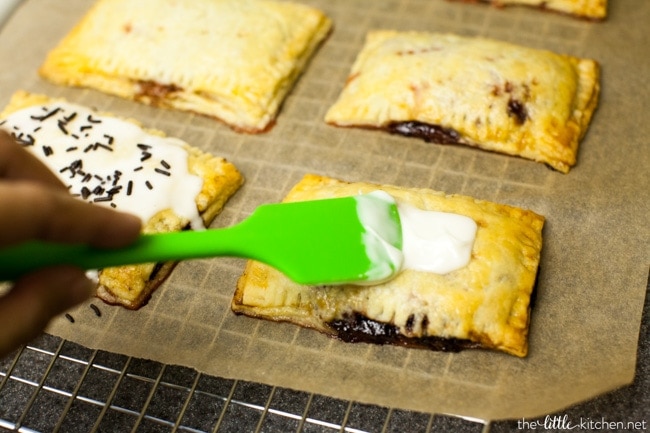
<point x="595" y="258"/>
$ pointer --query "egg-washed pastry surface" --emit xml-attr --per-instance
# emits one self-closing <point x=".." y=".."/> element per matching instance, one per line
<point x="234" y="60"/>
<point x="590" y="9"/>
<point x="116" y="162"/>
<point x="489" y="94"/>
<point x="485" y="304"/>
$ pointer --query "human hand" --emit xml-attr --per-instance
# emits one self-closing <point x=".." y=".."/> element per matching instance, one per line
<point x="35" y="205"/>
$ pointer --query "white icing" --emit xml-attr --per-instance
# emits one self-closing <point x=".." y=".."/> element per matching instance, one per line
<point x="108" y="161"/>
<point x="438" y="242"/>
<point x="431" y="241"/>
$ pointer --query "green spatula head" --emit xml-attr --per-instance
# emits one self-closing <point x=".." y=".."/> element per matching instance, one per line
<point x="321" y="242"/>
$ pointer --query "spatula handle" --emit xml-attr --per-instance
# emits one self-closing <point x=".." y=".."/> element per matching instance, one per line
<point x="24" y="258"/>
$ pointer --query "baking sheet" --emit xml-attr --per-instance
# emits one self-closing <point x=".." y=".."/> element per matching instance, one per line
<point x="595" y="259"/>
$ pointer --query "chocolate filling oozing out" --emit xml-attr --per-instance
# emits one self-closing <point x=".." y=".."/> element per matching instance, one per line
<point x="356" y="328"/>
<point x="428" y="132"/>
<point x="154" y="90"/>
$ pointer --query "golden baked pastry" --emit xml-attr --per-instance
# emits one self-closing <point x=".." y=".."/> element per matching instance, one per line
<point x="590" y="9"/>
<point x="115" y="162"/>
<point x="485" y="304"/>
<point x="234" y="60"/>
<point x="451" y="89"/>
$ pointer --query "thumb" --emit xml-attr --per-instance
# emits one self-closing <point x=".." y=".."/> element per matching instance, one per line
<point x="35" y="299"/>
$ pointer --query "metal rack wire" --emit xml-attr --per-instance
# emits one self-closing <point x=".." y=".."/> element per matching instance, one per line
<point x="53" y="385"/>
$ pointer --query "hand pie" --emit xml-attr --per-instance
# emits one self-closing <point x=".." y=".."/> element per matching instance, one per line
<point x="590" y="9"/>
<point x="113" y="162"/>
<point x="451" y="89"/>
<point x="234" y="60"/>
<point x="485" y="304"/>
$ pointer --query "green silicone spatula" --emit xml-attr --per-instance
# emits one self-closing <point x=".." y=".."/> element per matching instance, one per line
<point x="331" y="241"/>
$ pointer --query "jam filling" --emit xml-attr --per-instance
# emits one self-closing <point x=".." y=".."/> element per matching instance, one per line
<point x="155" y="90"/>
<point x="356" y="328"/>
<point x="427" y="132"/>
<point x="517" y="110"/>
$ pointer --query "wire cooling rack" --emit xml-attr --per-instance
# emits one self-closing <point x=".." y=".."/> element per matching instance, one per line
<point x="53" y="385"/>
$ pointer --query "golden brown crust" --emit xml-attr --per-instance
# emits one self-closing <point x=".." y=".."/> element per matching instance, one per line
<point x="193" y="55"/>
<point x="479" y="92"/>
<point x="131" y="286"/>
<point x="485" y="304"/>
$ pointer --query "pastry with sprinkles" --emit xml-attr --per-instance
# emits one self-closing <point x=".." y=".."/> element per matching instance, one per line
<point x="115" y="162"/>
<point x="233" y="60"/>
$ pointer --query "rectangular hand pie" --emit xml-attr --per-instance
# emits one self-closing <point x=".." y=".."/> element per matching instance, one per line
<point x="479" y="92"/>
<point x="113" y="162"/>
<point x="234" y="60"/>
<point x="590" y="9"/>
<point x="485" y="304"/>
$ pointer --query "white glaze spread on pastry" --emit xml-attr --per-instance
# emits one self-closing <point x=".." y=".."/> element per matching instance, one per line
<point x="109" y="161"/>
<point x="437" y="242"/>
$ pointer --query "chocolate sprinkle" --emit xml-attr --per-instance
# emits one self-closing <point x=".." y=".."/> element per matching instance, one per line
<point x="69" y="317"/>
<point x="61" y="126"/>
<point x="24" y="139"/>
<point x="47" y="115"/>
<point x="96" y="309"/>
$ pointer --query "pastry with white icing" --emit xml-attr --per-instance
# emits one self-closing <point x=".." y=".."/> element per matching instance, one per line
<point x="234" y="60"/>
<point x="115" y="162"/>
<point x="451" y="89"/>
<point x="484" y="302"/>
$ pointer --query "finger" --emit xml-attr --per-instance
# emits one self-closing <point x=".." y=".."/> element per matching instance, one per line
<point x="35" y="299"/>
<point x="17" y="163"/>
<point x="31" y="212"/>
